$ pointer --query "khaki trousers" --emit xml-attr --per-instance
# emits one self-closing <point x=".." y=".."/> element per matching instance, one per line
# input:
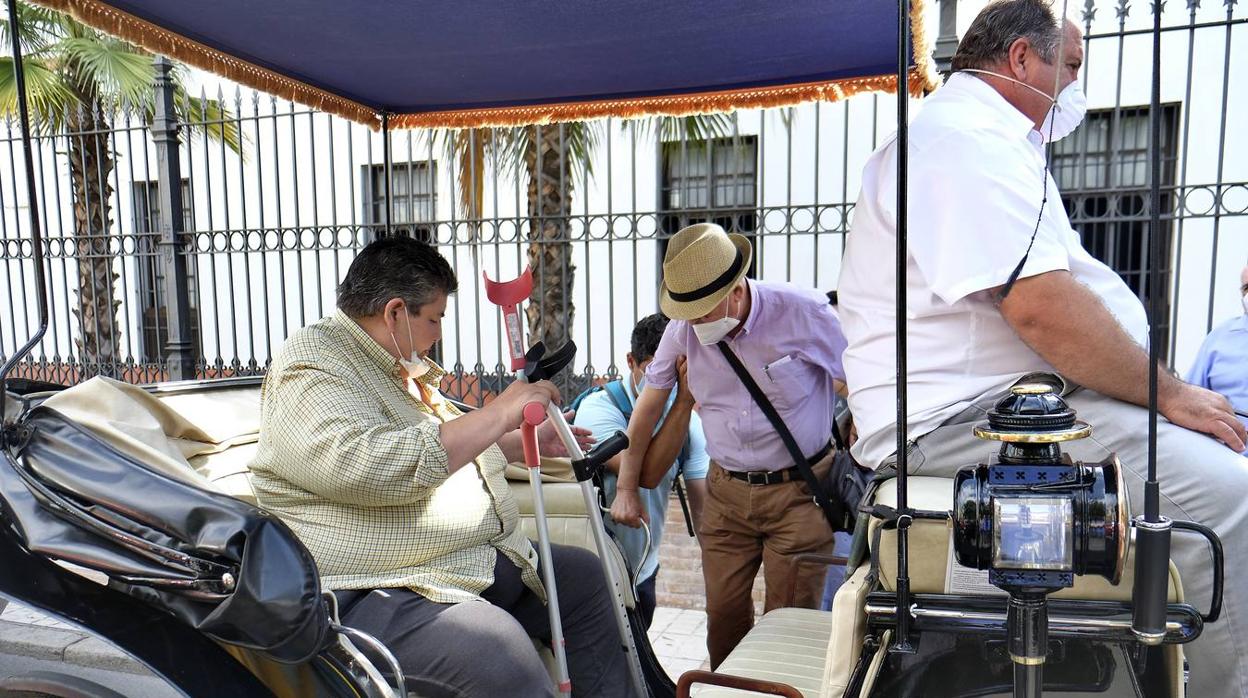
<point x="746" y="525"/>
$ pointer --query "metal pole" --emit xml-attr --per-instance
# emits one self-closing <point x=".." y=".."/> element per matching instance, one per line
<point x="1155" y="309"/>
<point x="385" y="159"/>
<point x="1148" y="593"/>
<point x="36" y="233"/>
<point x="180" y="350"/>
<point x="902" y="643"/>
<point x="535" y="414"/>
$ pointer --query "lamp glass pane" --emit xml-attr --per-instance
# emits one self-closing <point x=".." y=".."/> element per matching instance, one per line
<point x="1033" y="533"/>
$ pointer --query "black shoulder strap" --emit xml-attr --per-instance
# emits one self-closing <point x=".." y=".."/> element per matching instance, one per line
<point x="786" y="436"/>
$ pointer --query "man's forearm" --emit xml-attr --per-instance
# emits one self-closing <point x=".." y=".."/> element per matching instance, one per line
<point x="646" y="414"/>
<point x="665" y="446"/>
<point x="1069" y="326"/>
<point x="465" y="437"/>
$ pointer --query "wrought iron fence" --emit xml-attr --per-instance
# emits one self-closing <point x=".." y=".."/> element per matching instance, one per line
<point x="270" y="219"/>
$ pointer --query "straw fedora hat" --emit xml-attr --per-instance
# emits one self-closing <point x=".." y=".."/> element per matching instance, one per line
<point x="702" y="265"/>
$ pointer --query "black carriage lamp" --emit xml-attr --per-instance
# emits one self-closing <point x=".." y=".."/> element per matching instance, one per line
<point x="1034" y="518"/>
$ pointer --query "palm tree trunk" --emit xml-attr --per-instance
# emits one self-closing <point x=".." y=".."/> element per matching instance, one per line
<point x="90" y="167"/>
<point x="550" y="310"/>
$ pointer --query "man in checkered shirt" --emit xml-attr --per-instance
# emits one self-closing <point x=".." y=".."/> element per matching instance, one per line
<point x="402" y="501"/>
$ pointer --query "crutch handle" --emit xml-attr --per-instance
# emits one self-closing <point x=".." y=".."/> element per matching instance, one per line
<point x="534" y="414"/>
<point x="507" y="295"/>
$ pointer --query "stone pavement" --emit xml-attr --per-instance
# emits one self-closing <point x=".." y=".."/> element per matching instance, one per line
<point x="678" y="636"/>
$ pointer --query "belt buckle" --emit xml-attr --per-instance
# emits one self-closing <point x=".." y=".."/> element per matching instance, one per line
<point x="756" y="477"/>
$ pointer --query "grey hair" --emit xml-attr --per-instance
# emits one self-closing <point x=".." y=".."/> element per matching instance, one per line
<point x="987" y="41"/>
<point x="394" y="267"/>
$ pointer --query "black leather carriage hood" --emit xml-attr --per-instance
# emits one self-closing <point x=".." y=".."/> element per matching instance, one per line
<point x="227" y="568"/>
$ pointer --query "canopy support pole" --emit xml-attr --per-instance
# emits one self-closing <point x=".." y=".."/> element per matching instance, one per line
<point x="387" y="169"/>
<point x="36" y="233"/>
<point x="902" y="643"/>
<point x="1148" y="595"/>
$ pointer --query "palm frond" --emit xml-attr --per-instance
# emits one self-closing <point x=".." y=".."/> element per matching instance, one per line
<point x="580" y="141"/>
<point x="41" y="28"/>
<point x="788" y="116"/>
<point x="122" y="72"/>
<point x="471" y="147"/>
<point x="512" y="145"/>
<point x="209" y="118"/>
<point x="698" y="127"/>
<point x="47" y="94"/>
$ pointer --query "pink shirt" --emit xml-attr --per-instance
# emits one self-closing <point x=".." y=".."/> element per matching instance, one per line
<point x="791" y="343"/>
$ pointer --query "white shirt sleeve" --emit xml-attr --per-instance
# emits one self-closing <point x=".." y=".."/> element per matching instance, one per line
<point x="974" y="198"/>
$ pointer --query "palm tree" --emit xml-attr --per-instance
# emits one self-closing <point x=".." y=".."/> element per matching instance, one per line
<point x="76" y="79"/>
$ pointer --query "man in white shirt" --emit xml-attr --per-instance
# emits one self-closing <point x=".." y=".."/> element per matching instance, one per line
<point x="977" y="178"/>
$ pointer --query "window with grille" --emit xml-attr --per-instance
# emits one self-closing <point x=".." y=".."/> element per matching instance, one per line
<point x="709" y="181"/>
<point x="414" y="196"/>
<point x="153" y="309"/>
<point x="1102" y="170"/>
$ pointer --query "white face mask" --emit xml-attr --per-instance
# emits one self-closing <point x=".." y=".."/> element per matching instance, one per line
<point x="711" y="332"/>
<point x="415" y="366"/>
<point x="1066" y="113"/>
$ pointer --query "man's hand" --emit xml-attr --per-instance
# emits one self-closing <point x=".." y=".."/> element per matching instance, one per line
<point x="627" y="508"/>
<point x="1202" y="410"/>
<point x="1056" y="315"/>
<point x="550" y="444"/>
<point x="684" y="398"/>
<point x="515" y="396"/>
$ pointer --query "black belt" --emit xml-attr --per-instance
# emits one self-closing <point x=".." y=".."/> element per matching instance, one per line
<point x="775" y="477"/>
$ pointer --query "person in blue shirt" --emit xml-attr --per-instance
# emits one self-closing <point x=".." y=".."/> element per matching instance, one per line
<point x="1222" y="364"/>
<point x="678" y="440"/>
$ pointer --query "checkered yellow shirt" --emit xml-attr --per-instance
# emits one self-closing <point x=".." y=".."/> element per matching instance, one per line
<point x="353" y="462"/>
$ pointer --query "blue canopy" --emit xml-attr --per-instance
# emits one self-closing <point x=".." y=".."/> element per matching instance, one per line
<point x="449" y="62"/>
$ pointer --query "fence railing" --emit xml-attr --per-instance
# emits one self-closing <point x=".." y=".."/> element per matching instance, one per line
<point x="272" y="215"/>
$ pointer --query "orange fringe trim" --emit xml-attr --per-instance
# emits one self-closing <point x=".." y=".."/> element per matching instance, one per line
<point x="922" y="78"/>
<point x="921" y="44"/>
<point x="676" y="105"/>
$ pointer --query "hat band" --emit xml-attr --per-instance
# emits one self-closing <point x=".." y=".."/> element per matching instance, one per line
<point x="717" y="285"/>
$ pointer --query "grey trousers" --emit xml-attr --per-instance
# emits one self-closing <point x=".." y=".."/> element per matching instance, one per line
<point x="482" y="648"/>
<point x="1201" y="480"/>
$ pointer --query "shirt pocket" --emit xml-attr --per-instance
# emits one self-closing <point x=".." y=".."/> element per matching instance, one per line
<point x="786" y="382"/>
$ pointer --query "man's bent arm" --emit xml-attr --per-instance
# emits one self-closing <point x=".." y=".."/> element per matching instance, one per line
<point x="665" y="446"/>
<point x="646" y="414"/>
<point x="467" y="436"/>
<point x="627" y="508"/>
<point x="1069" y="326"/>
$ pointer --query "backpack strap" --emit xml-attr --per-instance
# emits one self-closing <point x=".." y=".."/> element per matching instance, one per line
<point x="615" y="389"/>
